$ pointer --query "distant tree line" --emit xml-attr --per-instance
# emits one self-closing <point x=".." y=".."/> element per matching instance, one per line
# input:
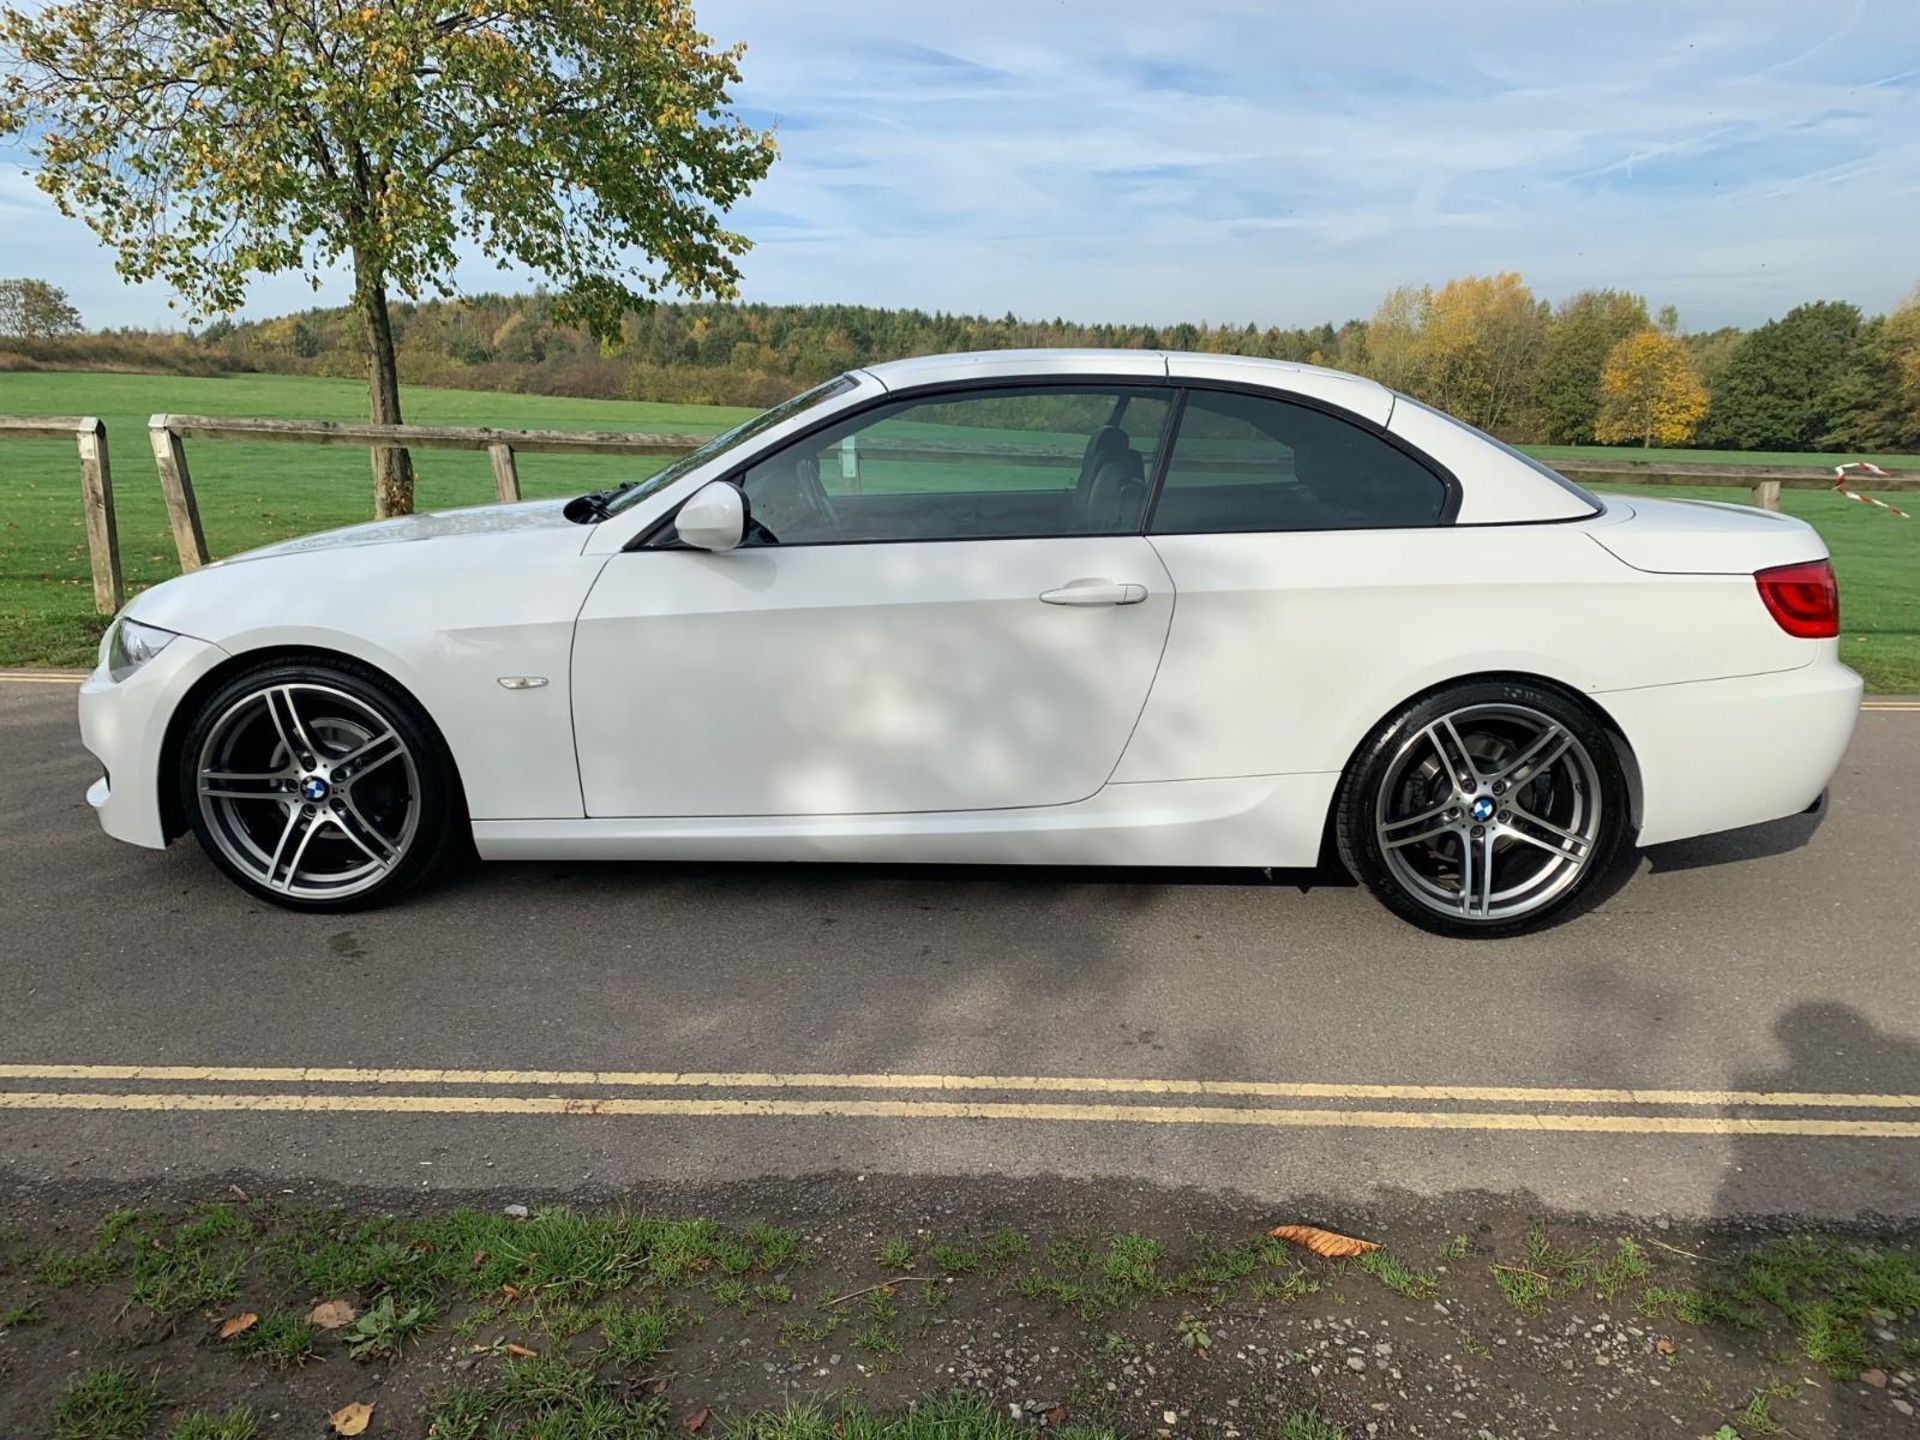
<point x="1598" y="367"/>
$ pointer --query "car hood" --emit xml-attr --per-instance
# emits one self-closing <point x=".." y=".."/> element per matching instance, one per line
<point x="436" y="525"/>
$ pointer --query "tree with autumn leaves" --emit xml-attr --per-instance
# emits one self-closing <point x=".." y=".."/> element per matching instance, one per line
<point x="589" y="143"/>
<point x="1649" y="392"/>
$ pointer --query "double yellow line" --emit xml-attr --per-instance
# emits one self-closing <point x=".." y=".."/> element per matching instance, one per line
<point x="1137" y="1100"/>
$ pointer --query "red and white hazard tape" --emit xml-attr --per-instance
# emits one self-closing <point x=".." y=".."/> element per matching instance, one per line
<point x="1865" y="467"/>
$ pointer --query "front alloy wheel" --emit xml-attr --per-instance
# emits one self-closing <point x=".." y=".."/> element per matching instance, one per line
<point x="316" y="787"/>
<point x="1484" y="809"/>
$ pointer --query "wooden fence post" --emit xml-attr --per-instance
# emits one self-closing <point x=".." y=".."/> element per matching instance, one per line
<point x="176" y="484"/>
<point x="506" y="479"/>
<point x="103" y="532"/>
<point x="1766" y="494"/>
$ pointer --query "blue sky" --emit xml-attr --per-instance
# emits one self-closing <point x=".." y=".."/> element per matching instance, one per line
<point x="1281" y="163"/>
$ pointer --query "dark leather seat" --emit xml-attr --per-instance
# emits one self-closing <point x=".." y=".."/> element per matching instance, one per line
<point x="1113" y="485"/>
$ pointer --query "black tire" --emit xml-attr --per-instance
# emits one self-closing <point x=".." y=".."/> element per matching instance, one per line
<point x="394" y="809"/>
<point x="1414" y="833"/>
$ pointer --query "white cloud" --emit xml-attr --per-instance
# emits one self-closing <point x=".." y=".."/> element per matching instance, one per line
<point x="1287" y="163"/>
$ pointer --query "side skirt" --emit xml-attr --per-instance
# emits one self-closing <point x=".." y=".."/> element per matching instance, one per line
<point x="1260" y="820"/>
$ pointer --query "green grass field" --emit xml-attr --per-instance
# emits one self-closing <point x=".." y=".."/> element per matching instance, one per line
<point x="1633" y="454"/>
<point x="253" y="494"/>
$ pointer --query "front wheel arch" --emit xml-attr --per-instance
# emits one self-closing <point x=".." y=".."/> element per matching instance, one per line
<point x="173" y="817"/>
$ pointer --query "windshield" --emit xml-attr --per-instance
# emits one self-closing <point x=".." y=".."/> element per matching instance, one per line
<point x="728" y="439"/>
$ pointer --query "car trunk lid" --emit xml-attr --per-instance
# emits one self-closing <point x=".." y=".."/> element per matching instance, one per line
<point x="1701" y="537"/>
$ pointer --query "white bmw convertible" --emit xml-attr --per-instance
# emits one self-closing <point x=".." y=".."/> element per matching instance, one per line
<point x="1059" y="607"/>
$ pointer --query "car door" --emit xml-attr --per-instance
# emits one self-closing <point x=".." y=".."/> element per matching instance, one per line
<point x="943" y="603"/>
<point x="1318" y="579"/>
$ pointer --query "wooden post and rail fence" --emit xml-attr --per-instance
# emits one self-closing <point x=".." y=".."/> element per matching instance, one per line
<point x="168" y="435"/>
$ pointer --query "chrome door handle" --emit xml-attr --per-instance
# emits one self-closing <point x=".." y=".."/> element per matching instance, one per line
<point x="1094" y="592"/>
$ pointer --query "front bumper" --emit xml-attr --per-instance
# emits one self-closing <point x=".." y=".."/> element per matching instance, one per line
<point x="124" y="724"/>
<point x="1718" y="754"/>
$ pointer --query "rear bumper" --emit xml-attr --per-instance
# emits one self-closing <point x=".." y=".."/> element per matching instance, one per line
<point x="1718" y="754"/>
<point x="124" y="724"/>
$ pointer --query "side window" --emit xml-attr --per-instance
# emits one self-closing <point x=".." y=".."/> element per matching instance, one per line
<point x="1250" y="462"/>
<point x="1000" y="463"/>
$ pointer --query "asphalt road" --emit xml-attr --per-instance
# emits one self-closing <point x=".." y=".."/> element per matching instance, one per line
<point x="621" y="1025"/>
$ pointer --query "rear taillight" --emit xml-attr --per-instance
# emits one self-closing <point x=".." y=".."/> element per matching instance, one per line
<point x="1803" y="598"/>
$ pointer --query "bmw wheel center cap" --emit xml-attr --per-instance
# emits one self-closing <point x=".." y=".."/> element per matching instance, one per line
<point x="1482" y="809"/>
<point x="314" y="789"/>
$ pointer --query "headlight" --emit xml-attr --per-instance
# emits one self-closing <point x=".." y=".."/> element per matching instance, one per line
<point x="131" y="645"/>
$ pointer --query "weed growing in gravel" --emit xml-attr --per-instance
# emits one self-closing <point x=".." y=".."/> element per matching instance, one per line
<point x="1627" y="1266"/>
<point x="21" y="1316"/>
<point x="1219" y="1264"/>
<point x="639" y="1336"/>
<point x="947" y="1418"/>
<point x="777" y="1246"/>
<point x="1691" y="1307"/>
<point x="1132" y="1262"/>
<point x="952" y="1260"/>
<point x="385" y="1327"/>
<point x="730" y="1294"/>
<point x="1398" y="1276"/>
<point x="1070" y="1253"/>
<point x="896" y="1254"/>
<point x="238" y="1423"/>
<point x="1005" y="1246"/>
<point x="548" y="1398"/>
<point x="1756" y="1418"/>
<point x="1455" y="1250"/>
<point x="807" y="1332"/>
<point x="1294" y="1283"/>
<point x="1308" y="1425"/>
<point x="1545" y="1273"/>
<point x="112" y="1403"/>
<point x="283" y="1339"/>
<point x="1823" y="1290"/>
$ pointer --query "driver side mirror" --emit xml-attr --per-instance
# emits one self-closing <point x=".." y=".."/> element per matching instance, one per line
<point x="715" y="518"/>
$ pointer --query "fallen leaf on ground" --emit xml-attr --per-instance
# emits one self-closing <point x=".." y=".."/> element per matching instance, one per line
<point x="512" y="1292"/>
<point x="1663" y="1345"/>
<point x="331" y="1314"/>
<point x="1332" y="1245"/>
<point x="1057" y="1415"/>
<point x="351" y="1419"/>
<point x="231" y="1328"/>
<point x="522" y="1351"/>
<point x="694" y="1421"/>
<point x="479" y="1258"/>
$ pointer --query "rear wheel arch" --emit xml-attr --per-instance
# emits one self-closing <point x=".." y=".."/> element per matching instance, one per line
<point x="1622" y="747"/>
<point x="173" y="818"/>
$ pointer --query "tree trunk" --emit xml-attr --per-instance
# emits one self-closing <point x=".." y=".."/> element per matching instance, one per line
<point x="392" y="469"/>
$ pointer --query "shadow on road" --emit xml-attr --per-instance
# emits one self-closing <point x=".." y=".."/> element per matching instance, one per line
<point x="1753" y="842"/>
<point x="1830" y="1048"/>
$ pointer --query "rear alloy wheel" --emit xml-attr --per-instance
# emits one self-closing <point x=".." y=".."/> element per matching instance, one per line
<point x="1484" y="809"/>
<point x="318" y="787"/>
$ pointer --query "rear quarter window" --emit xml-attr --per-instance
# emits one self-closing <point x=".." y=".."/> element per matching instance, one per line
<point x="1245" y="462"/>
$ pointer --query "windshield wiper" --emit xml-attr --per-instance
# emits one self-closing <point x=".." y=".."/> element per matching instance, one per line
<point x="591" y="508"/>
